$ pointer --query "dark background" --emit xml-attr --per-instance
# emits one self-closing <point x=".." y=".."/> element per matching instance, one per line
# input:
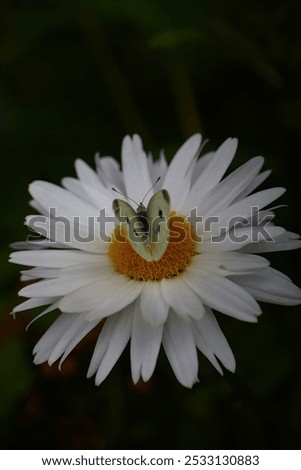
<point x="75" y="77"/>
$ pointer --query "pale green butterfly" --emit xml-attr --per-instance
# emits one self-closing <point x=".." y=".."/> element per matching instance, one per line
<point x="147" y="227"/>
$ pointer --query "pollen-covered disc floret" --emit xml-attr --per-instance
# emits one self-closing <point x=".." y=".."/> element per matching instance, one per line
<point x="176" y="258"/>
<point x="89" y="270"/>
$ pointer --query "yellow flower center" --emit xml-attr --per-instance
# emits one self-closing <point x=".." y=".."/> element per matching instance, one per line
<point x="176" y="257"/>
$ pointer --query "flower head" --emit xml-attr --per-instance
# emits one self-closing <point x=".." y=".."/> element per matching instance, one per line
<point x="154" y="272"/>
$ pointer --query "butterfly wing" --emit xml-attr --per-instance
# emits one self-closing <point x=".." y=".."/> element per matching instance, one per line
<point x="157" y="213"/>
<point x="135" y="224"/>
<point x="147" y="230"/>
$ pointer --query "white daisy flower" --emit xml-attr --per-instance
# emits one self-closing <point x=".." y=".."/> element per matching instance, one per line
<point x="163" y="292"/>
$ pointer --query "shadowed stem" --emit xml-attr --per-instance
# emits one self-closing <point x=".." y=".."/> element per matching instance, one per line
<point x="112" y="75"/>
<point x="185" y="100"/>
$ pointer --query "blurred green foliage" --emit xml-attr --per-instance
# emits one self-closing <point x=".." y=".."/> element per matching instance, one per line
<point x="75" y="77"/>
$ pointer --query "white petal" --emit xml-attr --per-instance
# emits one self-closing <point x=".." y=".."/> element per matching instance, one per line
<point x="126" y="295"/>
<point x="76" y="187"/>
<point x="27" y="245"/>
<point x="284" y="242"/>
<point x="51" y="273"/>
<point x="24" y="278"/>
<point x="211" y="341"/>
<point x="222" y="294"/>
<point x="38" y="207"/>
<point x="37" y="244"/>
<point x="54" y="258"/>
<point x="257" y="181"/>
<point x="226" y="263"/>
<point x="178" y="176"/>
<point x="33" y="303"/>
<point x="201" y="164"/>
<point x="269" y="285"/>
<point x="36" y="273"/>
<point x="66" y="204"/>
<point x="237" y="238"/>
<point x="87" y="176"/>
<point x="102" y="343"/>
<point x="102" y="298"/>
<point x="158" y="168"/>
<point x="111" y="343"/>
<point x="71" y="337"/>
<point x="225" y="192"/>
<point x="137" y="179"/>
<point x="58" y="287"/>
<point x="145" y="346"/>
<point x="48" y="341"/>
<point x="49" y="309"/>
<point x="154" y="309"/>
<point x="181" y="298"/>
<point x="214" y="170"/>
<point x="244" y="208"/>
<point x="81" y="333"/>
<point x="72" y="235"/>
<point x="101" y="198"/>
<point x="109" y="172"/>
<point x="92" y="295"/>
<point x="179" y="346"/>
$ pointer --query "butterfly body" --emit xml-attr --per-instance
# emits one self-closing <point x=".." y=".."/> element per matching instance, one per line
<point x="147" y="227"/>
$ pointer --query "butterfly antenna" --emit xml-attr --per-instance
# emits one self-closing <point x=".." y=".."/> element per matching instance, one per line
<point x="127" y="197"/>
<point x="131" y="199"/>
<point x="159" y="177"/>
